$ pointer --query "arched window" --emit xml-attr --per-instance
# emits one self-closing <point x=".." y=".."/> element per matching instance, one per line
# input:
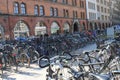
<point x="83" y="26"/>
<point x="66" y="27"/>
<point x="75" y="14"/>
<point x="55" y="12"/>
<point x="23" y="8"/>
<point x="51" y="11"/>
<point x="54" y="28"/>
<point x="16" y="8"/>
<point x="36" y="9"/>
<point x="21" y="29"/>
<point x="41" y="10"/>
<point x="74" y="2"/>
<point x="65" y="1"/>
<point x="54" y="0"/>
<point x="40" y="28"/>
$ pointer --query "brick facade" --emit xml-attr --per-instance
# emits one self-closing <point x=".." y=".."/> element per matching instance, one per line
<point x="8" y="19"/>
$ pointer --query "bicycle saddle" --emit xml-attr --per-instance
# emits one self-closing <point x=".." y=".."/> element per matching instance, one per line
<point x="97" y="50"/>
<point x="86" y="52"/>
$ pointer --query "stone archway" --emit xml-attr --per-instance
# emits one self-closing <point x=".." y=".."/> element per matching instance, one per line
<point x="91" y="26"/>
<point x="83" y="26"/>
<point x="96" y="27"/>
<point x="55" y="28"/>
<point x="109" y="25"/>
<point x="40" y="28"/>
<point x="103" y="26"/>
<point x="99" y="26"/>
<point x="21" y="29"/>
<point x="106" y="25"/>
<point x="66" y="28"/>
<point x="75" y="27"/>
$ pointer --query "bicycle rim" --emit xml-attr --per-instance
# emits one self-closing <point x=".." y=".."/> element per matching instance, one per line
<point x="65" y="74"/>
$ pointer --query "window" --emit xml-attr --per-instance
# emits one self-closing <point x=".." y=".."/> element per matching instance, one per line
<point x="101" y="9"/>
<point x="75" y="14"/>
<point x="105" y="17"/>
<point x="65" y="1"/>
<point x="105" y="3"/>
<point x="41" y="10"/>
<point x="91" y="5"/>
<point x="51" y="11"/>
<point x="74" y="2"/>
<point x="98" y="1"/>
<point x="36" y="10"/>
<point x="102" y="17"/>
<point x="101" y="1"/>
<point x="98" y="8"/>
<point x="82" y="15"/>
<point x="55" y="12"/>
<point x="23" y="8"/>
<point x="92" y="16"/>
<point x="16" y="8"/>
<point x="66" y="13"/>
<point x="54" y="0"/>
<point x="105" y="10"/>
<point x="82" y="4"/>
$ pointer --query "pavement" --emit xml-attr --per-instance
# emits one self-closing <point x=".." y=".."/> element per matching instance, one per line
<point x="34" y="72"/>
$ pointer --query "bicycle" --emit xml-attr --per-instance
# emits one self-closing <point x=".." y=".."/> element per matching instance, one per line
<point x="54" y="65"/>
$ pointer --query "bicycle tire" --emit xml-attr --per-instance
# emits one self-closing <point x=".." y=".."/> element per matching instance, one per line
<point x="75" y="64"/>
<point x="67" y="55"/>
<point x="25" y="59"/>
<point x="64" y="74"/>
<point x="42" y="60"/>
<point x="35" y="57"/>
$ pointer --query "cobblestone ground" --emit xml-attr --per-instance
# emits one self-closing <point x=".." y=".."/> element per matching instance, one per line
<point x="34" y="72"/>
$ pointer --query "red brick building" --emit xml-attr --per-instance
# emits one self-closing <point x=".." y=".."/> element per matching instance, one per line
<point x="36" y="17"/>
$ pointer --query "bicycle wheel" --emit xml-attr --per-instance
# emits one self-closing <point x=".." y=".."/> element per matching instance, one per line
<point x="25" y="59"/>
<point x="75" y="63"/>
<point x="4" y="62"/>
<point x="43" y="62"/>
<point x="65" y="74"/>
<point x="35" y="57"/>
